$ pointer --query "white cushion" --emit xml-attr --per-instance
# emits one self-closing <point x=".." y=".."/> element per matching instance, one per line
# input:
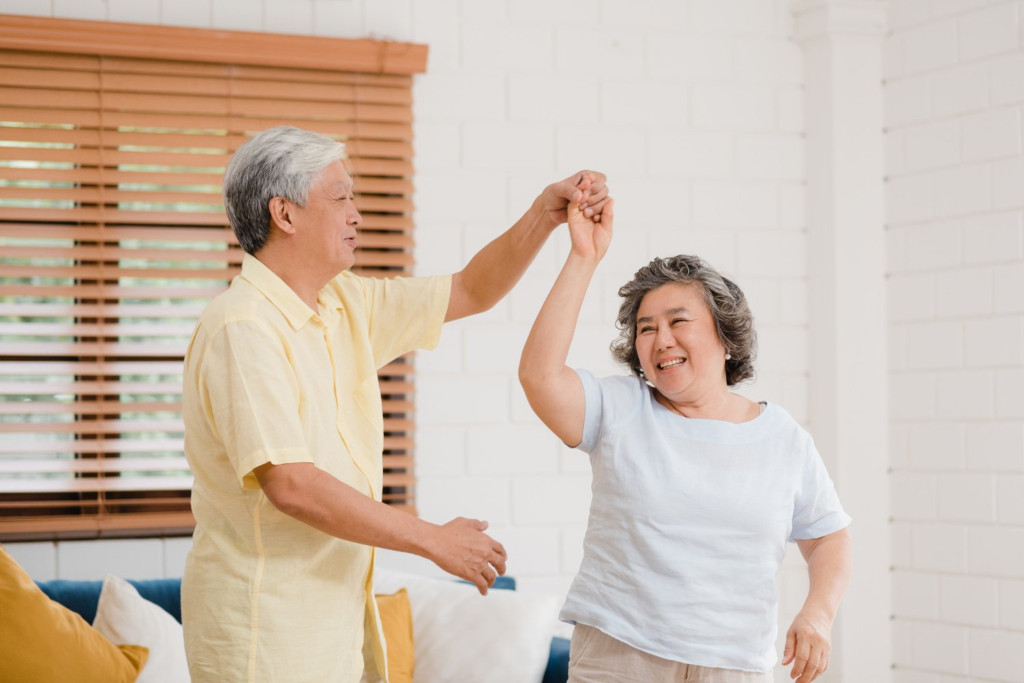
<point x="126" y="618"/>
<point x="460" y="635"/>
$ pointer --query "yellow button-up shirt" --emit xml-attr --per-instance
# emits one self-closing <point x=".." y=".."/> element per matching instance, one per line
<point x="268" y="380"/>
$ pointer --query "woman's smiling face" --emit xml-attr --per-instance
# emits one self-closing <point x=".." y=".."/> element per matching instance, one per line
<point x="677" y="343"/>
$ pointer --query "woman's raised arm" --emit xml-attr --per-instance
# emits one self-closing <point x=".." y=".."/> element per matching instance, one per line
<point x="554" y="390"/>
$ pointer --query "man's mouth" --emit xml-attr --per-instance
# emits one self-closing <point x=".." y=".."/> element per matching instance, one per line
<point x="671" y="363"/>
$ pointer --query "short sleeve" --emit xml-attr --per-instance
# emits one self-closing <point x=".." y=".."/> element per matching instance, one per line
<point x="593" y="411"/>
<point x="405" y="313"/>
<point x="817" y="511"/>
<point x="251" y="397"/>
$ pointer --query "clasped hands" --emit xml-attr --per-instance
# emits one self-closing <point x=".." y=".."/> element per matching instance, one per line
<point x="587" y="190"/>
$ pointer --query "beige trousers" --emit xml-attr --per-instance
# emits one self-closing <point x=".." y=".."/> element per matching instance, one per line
<point x="595" y="657"/>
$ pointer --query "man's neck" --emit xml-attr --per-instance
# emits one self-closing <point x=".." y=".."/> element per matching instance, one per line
<point x="295" y="272"/>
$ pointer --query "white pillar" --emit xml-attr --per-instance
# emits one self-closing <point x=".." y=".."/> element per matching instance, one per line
<point x="842" y="52"/>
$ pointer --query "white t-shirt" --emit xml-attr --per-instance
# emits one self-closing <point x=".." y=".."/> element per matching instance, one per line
<point x="688" y="525"/>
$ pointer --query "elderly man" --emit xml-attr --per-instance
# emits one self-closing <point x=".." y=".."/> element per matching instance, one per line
<point x="284" y="428"/>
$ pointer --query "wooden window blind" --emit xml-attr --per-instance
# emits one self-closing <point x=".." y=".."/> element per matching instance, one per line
<point x="113" y="142"/>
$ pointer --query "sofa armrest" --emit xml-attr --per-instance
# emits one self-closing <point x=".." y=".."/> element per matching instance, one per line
<point x="558" y="661"/>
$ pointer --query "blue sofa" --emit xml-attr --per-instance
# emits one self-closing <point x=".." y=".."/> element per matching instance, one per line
<point x="84" y="596"/>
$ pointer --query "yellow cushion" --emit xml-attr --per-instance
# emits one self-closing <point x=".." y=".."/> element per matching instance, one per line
<point x="396" y="618"/>
<point x="41" y="640"/>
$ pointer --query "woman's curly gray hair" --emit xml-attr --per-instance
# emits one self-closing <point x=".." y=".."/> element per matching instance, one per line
<point x="724" y="299"/>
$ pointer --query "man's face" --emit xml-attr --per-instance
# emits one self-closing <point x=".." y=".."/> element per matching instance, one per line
<point x="326" y="226"/>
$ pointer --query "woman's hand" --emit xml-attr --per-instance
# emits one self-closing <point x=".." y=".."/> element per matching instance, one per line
<point x="808" y="646"/>
<point x="590" y="237"/>
<point x="809" y="640"/>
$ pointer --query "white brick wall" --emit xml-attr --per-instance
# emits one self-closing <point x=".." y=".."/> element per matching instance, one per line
<point x="954" y="91"/>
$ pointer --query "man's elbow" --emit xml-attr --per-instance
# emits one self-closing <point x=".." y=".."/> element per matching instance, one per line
<point x="283" y="486"/>
<point x="466" y="300"/>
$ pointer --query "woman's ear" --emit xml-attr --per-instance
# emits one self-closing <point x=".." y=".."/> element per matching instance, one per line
<point x="281" y="215"/>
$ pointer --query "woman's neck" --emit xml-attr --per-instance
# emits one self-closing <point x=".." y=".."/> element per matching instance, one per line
<point x="724" y="406"/>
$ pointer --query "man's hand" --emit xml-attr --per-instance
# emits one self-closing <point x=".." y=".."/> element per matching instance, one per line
<point x="585" y="189"/>
<point x="808" y="646"/>
<point x="461" y="548"/>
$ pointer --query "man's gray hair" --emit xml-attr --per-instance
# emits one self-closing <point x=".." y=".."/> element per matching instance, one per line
<point x="724" y="298"/>
<point x="279" y="162"/>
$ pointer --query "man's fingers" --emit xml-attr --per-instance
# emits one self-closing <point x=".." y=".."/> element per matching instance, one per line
<point x="584" y="179"/>
<point x="596" y="207"/>
<point x="595" y="178"/>
<point x="597" y="193"/>
<point x="489" y="575"/>
<point x="498" y="559"/>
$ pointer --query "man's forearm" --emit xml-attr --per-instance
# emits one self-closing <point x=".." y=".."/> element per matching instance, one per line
<point x="314" y="497"/>
<point x="499" y="265"/>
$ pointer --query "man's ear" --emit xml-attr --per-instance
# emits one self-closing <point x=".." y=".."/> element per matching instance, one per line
<point x="281" y="215"/>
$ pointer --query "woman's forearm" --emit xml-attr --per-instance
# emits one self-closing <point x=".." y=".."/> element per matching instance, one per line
<point x="829" y="566"/>
<point x="553" y="389"/>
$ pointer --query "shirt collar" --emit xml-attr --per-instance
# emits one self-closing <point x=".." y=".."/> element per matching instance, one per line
<point x="294" y="309"/>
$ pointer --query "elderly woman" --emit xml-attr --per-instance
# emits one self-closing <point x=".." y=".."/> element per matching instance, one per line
<point x="696" y="489"/>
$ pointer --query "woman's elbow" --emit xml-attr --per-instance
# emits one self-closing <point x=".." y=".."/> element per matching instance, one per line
<point x="530" y="378"/>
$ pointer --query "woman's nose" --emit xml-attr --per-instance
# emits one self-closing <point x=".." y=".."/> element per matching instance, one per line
<point x="665" y="338"/>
